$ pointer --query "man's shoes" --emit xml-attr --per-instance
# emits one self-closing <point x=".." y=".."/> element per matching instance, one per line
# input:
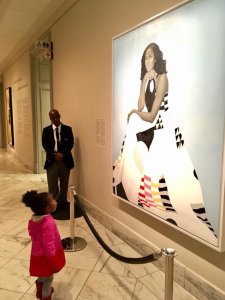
<point x="63" y="211"/>
<point x="62" y="205"/>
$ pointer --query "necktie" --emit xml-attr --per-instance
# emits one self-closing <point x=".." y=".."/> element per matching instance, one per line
<point x="57" y="138"/>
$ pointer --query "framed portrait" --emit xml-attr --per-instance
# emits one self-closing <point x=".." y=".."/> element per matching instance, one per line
<point x="168" y="119"/>
<point x="9" y="116"/>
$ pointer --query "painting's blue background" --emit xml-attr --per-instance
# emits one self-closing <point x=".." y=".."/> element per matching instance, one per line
<point x="192" y="38"/>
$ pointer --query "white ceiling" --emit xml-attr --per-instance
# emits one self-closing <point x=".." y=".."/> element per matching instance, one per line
<point x="24" y="21"/>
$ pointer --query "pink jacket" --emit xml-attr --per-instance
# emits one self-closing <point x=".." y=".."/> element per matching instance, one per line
<point x="47" y="254"/>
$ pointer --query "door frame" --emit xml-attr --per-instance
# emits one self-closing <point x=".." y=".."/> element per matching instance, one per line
<point x="3" y="143"/>
<point x="37" y="108"/>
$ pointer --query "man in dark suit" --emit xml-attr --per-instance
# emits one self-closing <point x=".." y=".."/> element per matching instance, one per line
<point x="58" y="141"/>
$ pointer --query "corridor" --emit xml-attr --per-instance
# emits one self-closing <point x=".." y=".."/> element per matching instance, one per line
<point x="89" y="274"/>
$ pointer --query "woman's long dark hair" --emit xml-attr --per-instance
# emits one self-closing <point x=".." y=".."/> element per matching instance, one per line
<point x="160" y="63"/>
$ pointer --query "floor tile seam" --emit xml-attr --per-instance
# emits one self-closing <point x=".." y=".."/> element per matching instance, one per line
<point x="122" y="254"/>
<point x="146" y="286"/>
<point x="7" y="179"/>
<point x="98" y="260"/>
<point x="33" y="279"/>
<point x="22" y="220"/>
<point x="112" y="245"/>
<point x="139" y="277"/>
<point x="107" y="273"/>
<point x="87" y="234"/>
<point x="77" y="227"/>
<point x="18" y="259"/>
<point x="16" y="235"/>
<point x="5" y="262"/>
<point x="105" y="262"/>
<point x="12" y="290"/>
<point x="20" y="251"/>
<point x="85" y="226"/>
<point x="120" y="243"/>
<point x="89" y="251"/>
<point x="133" y="295"/>
<point x="27" y="239"/>
<point x="117" y="277"/>
<point x="62" y="224"/>
<point x="92" y="247"/>
<point x="153" y="272"/>
<point x="107" y="231"/>
<point x="9" y="257"/>
<point x="9" y="219"/>
<point x="5" y="235"/>
<point x="84" y="285"/>
<point x="114" y="275"/>
<point x="125" y="244"/>
<point x="91" y="235"/>
<point x="22" y="293"/>
<point x="76" y="268"/>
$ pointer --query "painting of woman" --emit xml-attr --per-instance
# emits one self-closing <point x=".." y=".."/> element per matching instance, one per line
<point x="154" y="170"/>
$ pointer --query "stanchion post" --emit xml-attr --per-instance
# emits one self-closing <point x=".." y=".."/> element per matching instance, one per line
<point x="72" y="214"/>
<point x="72" y="243"/>
<point x="169" y="269"/>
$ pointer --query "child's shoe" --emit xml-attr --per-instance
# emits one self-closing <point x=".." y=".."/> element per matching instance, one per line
<point x="50" y="296"/>
<point x="39" y="289"/>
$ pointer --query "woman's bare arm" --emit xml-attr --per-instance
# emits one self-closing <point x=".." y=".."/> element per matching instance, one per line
<point x="161" y="90"/>
<point x="148" y="76"/>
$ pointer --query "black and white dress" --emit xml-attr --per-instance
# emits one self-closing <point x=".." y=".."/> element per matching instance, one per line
<point x="154" y="172"/>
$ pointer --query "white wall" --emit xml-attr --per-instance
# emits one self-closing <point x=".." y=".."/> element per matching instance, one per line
<point x="18" y="78"/>
<point x="82" y="82"/>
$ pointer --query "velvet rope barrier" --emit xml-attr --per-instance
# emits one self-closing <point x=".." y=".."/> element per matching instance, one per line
<point x="129" y="260"/>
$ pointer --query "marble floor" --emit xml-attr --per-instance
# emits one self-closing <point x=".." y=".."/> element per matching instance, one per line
<point x="89" y="273"/>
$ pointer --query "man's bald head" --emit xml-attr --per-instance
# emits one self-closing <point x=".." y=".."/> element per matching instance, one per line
<point x="54" y="116"/>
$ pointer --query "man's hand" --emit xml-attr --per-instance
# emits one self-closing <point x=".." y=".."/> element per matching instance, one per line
<point x="58" y="156"/>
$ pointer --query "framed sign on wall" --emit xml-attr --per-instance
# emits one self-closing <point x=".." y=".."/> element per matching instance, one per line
<point x="168" y="118"/>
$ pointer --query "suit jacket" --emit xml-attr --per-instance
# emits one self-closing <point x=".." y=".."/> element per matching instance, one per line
<point x="66" y="145"/>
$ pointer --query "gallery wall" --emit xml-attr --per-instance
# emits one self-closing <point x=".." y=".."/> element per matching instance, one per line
<point x="82" y="91"/>
<point x="18" y="78"/>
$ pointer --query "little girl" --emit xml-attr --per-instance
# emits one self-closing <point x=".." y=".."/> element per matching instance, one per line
<point x="47" y="254"/>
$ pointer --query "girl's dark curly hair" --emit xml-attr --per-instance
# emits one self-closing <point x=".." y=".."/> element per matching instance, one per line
<point x="160" y="63"/>
<point x="38" y="202"/>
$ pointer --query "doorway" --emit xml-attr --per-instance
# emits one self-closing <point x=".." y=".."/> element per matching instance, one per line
<point x="2" y="116"/>
<point x="9" y="116"/>
<point x="41" y="66"/>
